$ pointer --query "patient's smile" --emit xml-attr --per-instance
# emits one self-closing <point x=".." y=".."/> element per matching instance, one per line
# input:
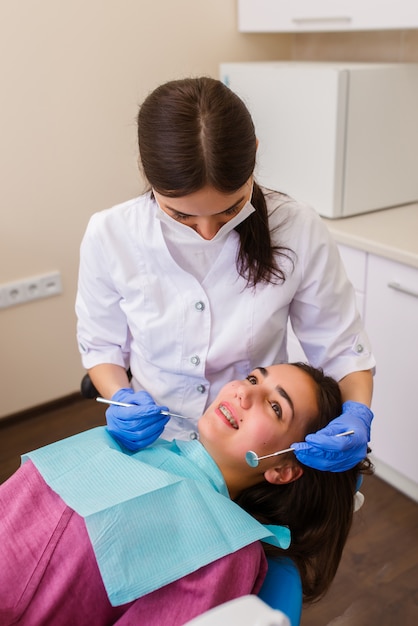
<point x="225" y="411"/>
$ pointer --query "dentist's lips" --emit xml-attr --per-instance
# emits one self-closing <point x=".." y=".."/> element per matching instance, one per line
<point x="227" y="414"/>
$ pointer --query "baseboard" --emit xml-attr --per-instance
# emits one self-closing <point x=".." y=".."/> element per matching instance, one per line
<point x="41" y="409"/>
<point x="395" y="478"/>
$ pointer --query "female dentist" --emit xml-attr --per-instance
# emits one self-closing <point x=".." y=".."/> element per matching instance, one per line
<point x="192" y="284"/>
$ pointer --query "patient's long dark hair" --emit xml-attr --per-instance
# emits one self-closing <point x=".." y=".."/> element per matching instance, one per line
<point x="318" y="507"/>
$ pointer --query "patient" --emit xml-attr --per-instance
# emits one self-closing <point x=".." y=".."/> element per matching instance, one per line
<point x="80" y="544"/>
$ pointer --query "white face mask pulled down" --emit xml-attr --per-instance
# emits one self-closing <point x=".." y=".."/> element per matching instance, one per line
<point x="190" y="250"/>
<point x="189" y="232"/>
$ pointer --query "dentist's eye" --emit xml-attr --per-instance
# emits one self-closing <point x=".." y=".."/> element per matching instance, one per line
<point x="252" y="379"/>
<point x="232" y="211"/>
<point x="277" y="409"/>
<point x="180" y="217"/>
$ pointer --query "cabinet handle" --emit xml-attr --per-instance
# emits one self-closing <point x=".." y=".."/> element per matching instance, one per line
<point x="398" y="287"/>
<point x="319" y="20"/>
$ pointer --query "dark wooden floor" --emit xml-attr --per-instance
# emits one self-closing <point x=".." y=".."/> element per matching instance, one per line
<point x="377" y="583"/>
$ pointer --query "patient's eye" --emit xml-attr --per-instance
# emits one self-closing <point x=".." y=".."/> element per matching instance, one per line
<point x="277" y="409"/>
<point x="252" y="379"/>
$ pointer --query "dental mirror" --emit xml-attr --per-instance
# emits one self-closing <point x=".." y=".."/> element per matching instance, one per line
<point x="253" y="459"/>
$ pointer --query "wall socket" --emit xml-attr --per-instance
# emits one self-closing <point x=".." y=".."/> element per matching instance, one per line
<point x="28" y="289"/>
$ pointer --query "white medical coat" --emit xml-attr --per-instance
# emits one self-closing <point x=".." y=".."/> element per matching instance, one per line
<point x="184" y="338"/>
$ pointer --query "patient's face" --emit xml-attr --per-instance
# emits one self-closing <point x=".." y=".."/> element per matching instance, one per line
<point x="266" y="412"/>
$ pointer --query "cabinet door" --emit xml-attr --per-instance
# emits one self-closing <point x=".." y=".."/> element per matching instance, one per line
<point x="325" y="15"/>
<point x="391" y="317"/>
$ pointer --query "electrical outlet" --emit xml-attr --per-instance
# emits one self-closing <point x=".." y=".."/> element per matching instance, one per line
<point x="14" y="293"/>
<point x="29" y="289"/>
<point x="32" y="289"/>
<point x="2" y="299"/>
<point x="50" y="284"/>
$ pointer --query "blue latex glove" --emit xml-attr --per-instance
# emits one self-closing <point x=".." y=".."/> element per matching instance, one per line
<point x="138" y="426"/>
<point x="324" y="451"/>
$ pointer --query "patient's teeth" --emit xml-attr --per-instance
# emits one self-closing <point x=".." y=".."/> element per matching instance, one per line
<point x="228" y="416"/>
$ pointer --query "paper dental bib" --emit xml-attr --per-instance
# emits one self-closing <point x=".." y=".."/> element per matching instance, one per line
<point x="153" y="516"/>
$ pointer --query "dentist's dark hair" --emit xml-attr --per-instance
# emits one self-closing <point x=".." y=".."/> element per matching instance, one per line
<point x="196" y="132"/>
<point x="318" y="507"/>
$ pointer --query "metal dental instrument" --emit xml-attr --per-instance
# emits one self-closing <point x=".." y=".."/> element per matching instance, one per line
<point x="105" y="401"/>
<point x="253" y="460"/>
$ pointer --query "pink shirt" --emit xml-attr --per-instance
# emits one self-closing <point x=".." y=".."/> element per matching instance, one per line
<point x="49" y="574"/>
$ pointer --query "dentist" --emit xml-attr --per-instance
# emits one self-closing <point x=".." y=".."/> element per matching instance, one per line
<point x="192" y="284"/>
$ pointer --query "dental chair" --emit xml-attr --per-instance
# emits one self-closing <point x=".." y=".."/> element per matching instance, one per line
<point x="279" y="602"/>
<point x="282" y="589"/>
<point x="87" y="389"/>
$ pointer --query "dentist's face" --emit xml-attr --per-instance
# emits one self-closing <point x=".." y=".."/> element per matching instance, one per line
<point x="266" y="412"/>
<point x="206" y="210"/>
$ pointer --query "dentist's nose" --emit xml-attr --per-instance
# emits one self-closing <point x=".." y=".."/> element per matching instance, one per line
<point x="207" y="227"/>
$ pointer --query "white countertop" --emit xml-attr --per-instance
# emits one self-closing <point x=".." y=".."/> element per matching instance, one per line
<point x="390" y="233"/>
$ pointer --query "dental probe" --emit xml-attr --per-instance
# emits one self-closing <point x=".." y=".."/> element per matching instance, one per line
<point x="253" y="460"/>
<point x="105" y="401"/>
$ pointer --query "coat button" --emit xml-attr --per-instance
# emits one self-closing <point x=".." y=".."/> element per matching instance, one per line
<point x="195" y="360"/>
<point x="201" y="388"/>
<point x="193" y="435"/>
<point x="200" y="306"/>
<point x="359" y="348"/>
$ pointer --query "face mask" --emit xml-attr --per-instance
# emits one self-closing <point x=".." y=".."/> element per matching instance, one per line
<point x="189" y="232"/>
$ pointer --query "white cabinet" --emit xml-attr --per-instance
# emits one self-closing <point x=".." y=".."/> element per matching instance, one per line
<point x="325" y="15"/>
<point x="387" y="297"/>
<point x="391" y="316"/>
<point x="341" y="136"/>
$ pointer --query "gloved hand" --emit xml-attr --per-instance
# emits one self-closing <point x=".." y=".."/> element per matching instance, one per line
<point x="137" y="426"/>
<point x="324" y="451"/>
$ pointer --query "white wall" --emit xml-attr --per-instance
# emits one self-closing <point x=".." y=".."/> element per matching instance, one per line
<point x="72" y="76"/>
